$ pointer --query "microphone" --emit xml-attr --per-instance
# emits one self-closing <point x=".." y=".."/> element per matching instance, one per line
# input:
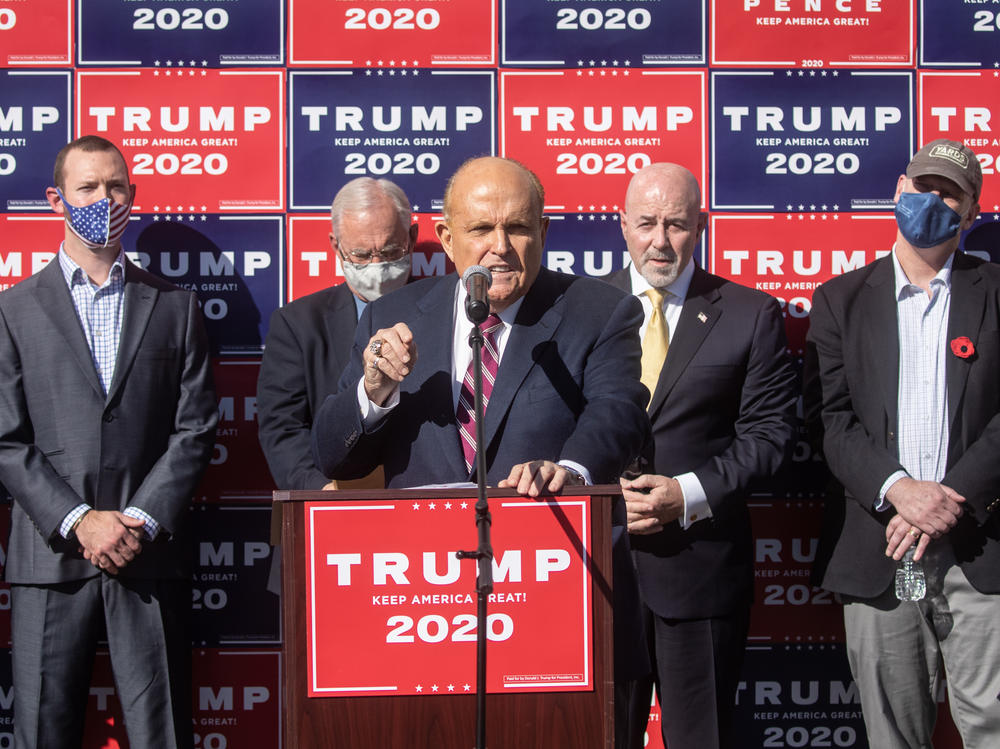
<point x="477" y="280"/>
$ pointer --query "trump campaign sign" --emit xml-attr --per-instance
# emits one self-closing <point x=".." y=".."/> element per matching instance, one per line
<point x="233" y="263"/>
<point x="414" y="127"/>
<point x="313" y="265"/>
<point x="789" y="255"/>
<point x="27" y="244"/>
<point x="36" y="33"/>
<point x="809" y="140"/>
<point x="961" y="106"/>
<point x="581" y="33"/>
<point x="34" y="125"/>
<point x="586" y="132"/>
<point x="167" y="33"/>
<point x="391" y="33"/>
<point x="813" y="33"/>
<point x="412" y="628"/>
<point x="960" y="33"/>
<point x="198" y="140"/>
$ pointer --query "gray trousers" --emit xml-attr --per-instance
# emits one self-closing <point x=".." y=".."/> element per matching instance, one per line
<point x="55" y="630"/>
<point x="899" y="651"/>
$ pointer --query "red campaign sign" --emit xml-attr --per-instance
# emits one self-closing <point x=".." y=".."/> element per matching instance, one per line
<point x="813" y="33"/>
<point x="787" y="608"/>
<point x="313" y="265"/>
<point x="412" y="628"/>
<point x="27" y="244"/>
<point x="586" y="132"/>
<point x="789" y="254"/>
<point x="236" y="701"/>
<point x="238" y="471"/>
<point x="374" y="33"/>
<point x="36" y="33"/>
<point x="201" y="141"/>
<point x="960" y="106"/>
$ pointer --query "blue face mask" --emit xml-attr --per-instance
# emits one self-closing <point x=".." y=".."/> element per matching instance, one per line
<point x="925" y="220"/>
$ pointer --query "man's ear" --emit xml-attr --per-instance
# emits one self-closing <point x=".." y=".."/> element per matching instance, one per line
<point x="444" y="237"/>
<point x="52" y="195"/>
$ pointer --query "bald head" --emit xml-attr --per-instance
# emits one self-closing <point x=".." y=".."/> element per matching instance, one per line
<point x="662" y="221"/>
<point x="481" y="169"/>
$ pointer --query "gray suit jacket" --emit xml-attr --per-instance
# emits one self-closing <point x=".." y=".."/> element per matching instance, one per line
<point x="63" y="442"/>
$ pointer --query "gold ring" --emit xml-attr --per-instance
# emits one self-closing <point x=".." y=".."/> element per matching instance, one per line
<point x="914" y="532"/>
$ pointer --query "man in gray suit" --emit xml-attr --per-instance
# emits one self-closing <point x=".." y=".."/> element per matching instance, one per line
<point x="107" y="420"/>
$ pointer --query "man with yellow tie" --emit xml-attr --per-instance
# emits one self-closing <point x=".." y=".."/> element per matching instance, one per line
<point x="722" y="409"/>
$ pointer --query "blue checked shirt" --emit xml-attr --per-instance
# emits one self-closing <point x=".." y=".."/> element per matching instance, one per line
<point x="922" y="398"/>
<point x="100" y="311"/>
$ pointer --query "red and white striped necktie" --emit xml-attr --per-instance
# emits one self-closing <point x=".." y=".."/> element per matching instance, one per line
<point x="465" y="413"/>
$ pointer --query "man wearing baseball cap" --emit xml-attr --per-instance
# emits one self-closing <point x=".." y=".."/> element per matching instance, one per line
<point x="903" y="372"/>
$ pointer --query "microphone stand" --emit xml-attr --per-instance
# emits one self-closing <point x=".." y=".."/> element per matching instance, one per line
<point x="484" y="552"/>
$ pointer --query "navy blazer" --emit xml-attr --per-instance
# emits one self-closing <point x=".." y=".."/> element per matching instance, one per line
<point x="854" y="348"/>
<point x="568" y="388"/>
<point x="63" y="442"/>
<point x="724" y="408"/>
<point x="308" y="345"/>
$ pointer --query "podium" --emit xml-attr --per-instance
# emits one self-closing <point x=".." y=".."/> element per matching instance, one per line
<point x="554" y="552"/>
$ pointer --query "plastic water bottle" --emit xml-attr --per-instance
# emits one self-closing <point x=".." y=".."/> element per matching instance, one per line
<point x="911" y="585"/>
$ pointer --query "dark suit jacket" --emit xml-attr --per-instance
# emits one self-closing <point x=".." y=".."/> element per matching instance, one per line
<point x="308" y="345"/>
<point x="724" y="408"/>
<point x="62" y="442"/>
<point x="854" y="342"/>
<point x="568" y="388"/>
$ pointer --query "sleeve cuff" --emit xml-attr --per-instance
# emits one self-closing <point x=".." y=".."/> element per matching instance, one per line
<point x="66" y="526"/>
<point x="574" y="466"/>
<point x="151" y="529"/>
<point x="371" y="413"/>
<point x="882" y="503"/>
<point x="696" y="505"/>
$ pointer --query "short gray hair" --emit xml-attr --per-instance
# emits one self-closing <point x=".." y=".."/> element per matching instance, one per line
<point x="364" y="192"/>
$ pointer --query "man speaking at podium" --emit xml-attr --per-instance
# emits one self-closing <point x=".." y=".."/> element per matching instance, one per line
<point x="562" y="352"/>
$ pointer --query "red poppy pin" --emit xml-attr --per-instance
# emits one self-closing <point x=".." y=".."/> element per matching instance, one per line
<point x="962" y="347"/>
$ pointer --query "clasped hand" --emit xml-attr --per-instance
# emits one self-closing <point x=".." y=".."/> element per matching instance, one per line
<point x="389" y="357"/>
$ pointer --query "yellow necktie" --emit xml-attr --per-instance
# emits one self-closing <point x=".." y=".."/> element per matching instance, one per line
<point x="655" y="342"/>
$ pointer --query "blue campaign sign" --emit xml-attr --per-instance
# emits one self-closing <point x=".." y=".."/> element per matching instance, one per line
<point x="829" y="140"/>
<point x="35" y="123"/>
<point x="983" y="238"/>
<point x="414" y="127"/>
<point x="591" y="244"/>
<point x="959" y="33"/>
<point x="234" y="263"/>
<point x="214" y="33"/>
<point x="580" y="33"/>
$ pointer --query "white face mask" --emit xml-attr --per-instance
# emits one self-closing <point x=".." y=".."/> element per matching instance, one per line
<point x="372" y="280"/>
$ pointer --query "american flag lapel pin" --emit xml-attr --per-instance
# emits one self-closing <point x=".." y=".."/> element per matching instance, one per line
<point x="702" y="317"/>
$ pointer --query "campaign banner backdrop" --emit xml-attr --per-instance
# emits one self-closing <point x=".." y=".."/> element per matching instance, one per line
<point x="788" y="255"/>
<point x="580" y="33"/>
<point x="195" y="140"/>
<point x="34" y="125"/>
<point x="164" y="33"/>
<point x="412" y="628"/>
<point x="812" y="33"/>
<point x="313" y="265"/>
<point x="959" y="33"/>
<point x="236" y="701"/>
<point x="27" y="244"/>
<point x="414" y="127"/>
<point x="233" y="263"/>
<point x="237" y="472"/>
<point x="36" y="33"/>
<point x="586" y="132"/>
<point x="809" y="141"/>
<point x="231" y="601"/>
<point x="4" y="587"/>
<point x="960" y="106"/>
<point x="982" y="239"/>
<point x="377" y="33"/>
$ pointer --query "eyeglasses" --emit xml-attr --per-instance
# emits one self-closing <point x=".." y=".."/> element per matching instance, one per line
<point x="390" y="253"/>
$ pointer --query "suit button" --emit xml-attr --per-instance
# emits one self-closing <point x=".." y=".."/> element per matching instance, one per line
<point x="108" y="418"/>
<point x="892" y="436"/>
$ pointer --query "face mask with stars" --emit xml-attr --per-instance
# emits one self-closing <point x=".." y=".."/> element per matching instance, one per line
<point x="99" y="224"/>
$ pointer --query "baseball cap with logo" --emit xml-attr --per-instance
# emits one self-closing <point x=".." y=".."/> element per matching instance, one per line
<point x="950" y="159"/>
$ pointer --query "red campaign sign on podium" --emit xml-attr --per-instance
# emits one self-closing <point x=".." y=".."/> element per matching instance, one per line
<point x="812" y="34"/>
<point x="200" y="141"/>
<point x="313" y="265"/>
<point x="27" y="244"/>
<point x="586" y="132"/>
<point x="36" y="33"/>
<point x="412" y="628"/>
<point x="960" y="106"/>
<point x="788" y="255"/>
<point x="373" y="33"/>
